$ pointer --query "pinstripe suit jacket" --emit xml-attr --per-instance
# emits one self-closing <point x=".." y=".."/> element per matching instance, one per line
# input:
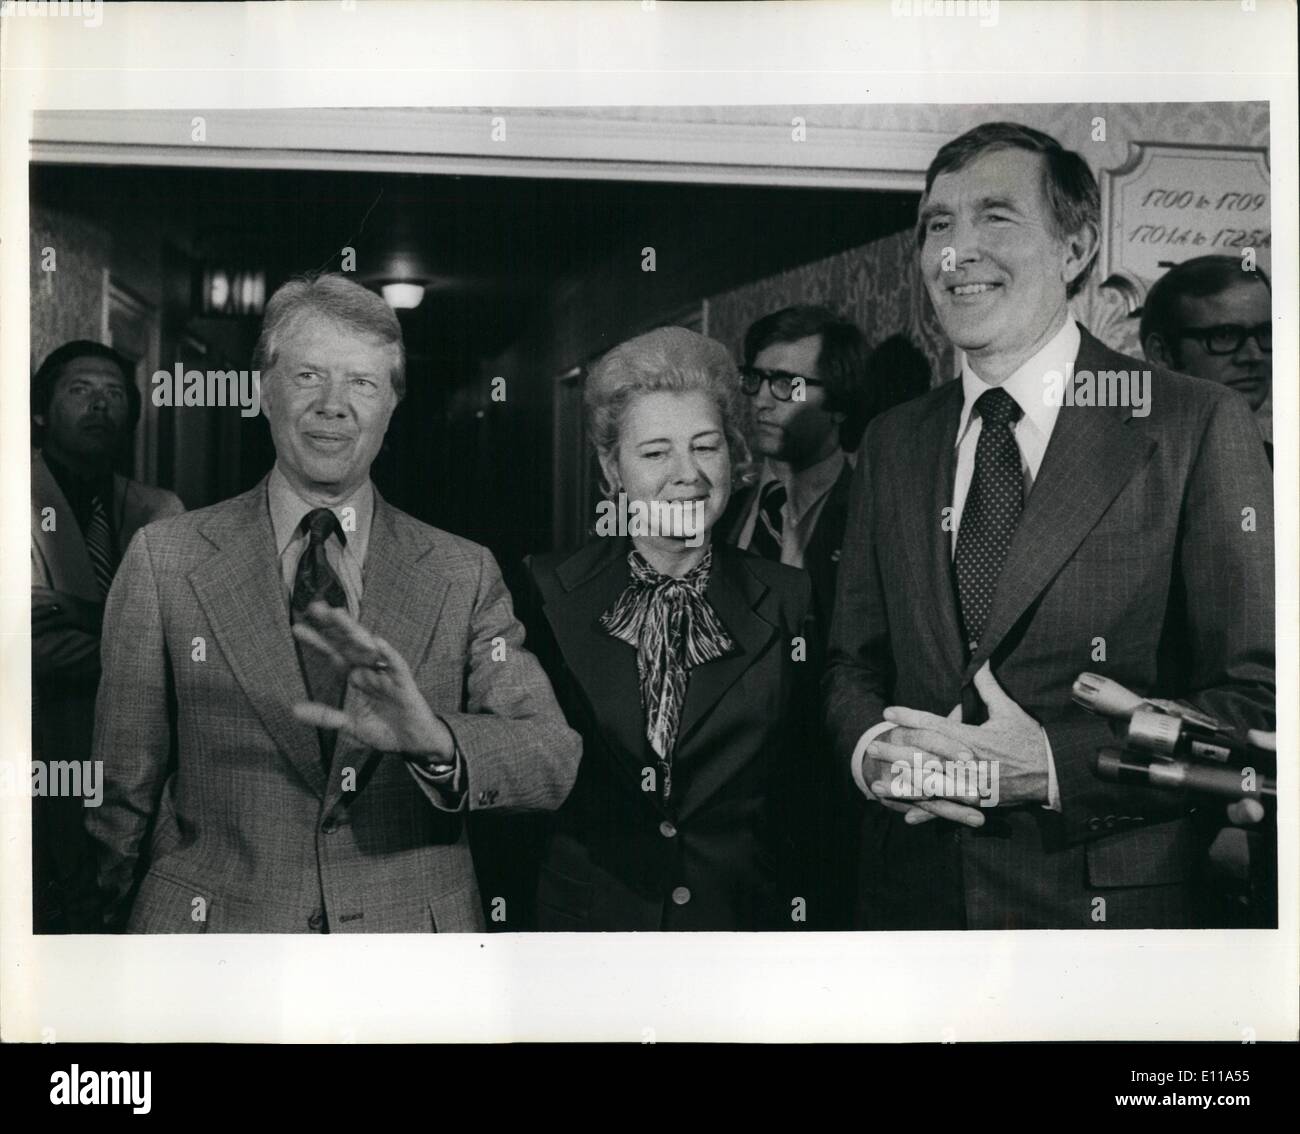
<point x="1133" y="541"/>
<point x="203" y="756"/>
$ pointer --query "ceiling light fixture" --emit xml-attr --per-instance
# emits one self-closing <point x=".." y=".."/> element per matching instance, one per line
<point x="402" y="296"/>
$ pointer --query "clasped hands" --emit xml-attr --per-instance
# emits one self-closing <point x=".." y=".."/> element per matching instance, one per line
<point x="389" y="714"/>
<point x="1011" y="742"/>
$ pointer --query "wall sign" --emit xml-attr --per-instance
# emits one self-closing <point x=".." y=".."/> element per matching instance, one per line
<point x="1169" y="203"/>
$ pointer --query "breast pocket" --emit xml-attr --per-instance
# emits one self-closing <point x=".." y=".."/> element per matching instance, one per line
<point x="166" y="904"/>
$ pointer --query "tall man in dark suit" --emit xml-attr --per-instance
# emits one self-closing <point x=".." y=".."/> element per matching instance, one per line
<point x="84" y="408"/>
<point x="1053" y="511"/>
<point x="305" y="690"/>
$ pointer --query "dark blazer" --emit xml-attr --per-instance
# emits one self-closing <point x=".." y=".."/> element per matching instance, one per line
<point x="218" y="815"/>
<point x="822" y="556"/>
<point x="1132" y="559"/>
<point x="721" y="854"/>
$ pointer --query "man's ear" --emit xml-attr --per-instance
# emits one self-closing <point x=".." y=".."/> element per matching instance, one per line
<point x="1157" y="350"/>
<point x="1080" y="251"/>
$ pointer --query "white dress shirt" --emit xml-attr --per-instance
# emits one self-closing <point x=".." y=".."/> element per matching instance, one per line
<point x="1036" y="385"/>
<point x="348" y="560"/>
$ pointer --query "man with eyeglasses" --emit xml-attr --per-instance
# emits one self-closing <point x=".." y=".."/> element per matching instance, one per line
<point x="805" y="369"/>
<point x="1212" y="319"/>
<point x="84" y="407"/>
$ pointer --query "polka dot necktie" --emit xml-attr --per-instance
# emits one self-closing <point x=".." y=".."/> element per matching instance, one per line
<point x="315" y="579"/>
<point x="991" y="513"/>
<point x="766" y="540"/>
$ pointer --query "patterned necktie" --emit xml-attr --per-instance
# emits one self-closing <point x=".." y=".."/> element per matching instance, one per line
<point x="766" y="540"/>
<point x="316" y="580"/>
<point x="99" y="545"/>
<point x="991" y="513"/>
<point x="674" y="629"/>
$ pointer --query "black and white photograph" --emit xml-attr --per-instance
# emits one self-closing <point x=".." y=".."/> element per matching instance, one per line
<point x="653" y="519"/>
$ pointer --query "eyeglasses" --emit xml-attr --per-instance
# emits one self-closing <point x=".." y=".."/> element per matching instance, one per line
<point x="780" y="382"/>
<point x="1227" y="338"/>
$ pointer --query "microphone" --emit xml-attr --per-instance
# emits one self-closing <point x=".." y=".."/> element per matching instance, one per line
<point x="1160" y="726"/>
<point x="1109" y="698"/>
<point x="1156" y="771"/>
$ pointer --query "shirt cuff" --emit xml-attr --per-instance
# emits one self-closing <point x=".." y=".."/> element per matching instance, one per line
<point x="445" y="775"/>
<point x="1053" y="788"/>
<point x="859" y="757"/>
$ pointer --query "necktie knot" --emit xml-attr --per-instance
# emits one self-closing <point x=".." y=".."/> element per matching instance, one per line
<point x="997" y="407"/>
<point x="321" y="523"/>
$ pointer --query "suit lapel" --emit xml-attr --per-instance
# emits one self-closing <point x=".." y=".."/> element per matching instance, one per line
<point x="401" y="602"/>
<point x="603" y="666"/>
<point x="926" y="492"/>
<point x="241" y="591"/>
<point x="63" y="549"/>
<point x="828" y="535"/>
<point x="1091" y="456"/>
<point x="735" y="594"/>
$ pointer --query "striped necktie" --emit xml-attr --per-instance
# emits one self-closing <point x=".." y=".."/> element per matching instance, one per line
<point x="99" y="545"/>
<point x="766" y="540"/>
<point x="316" y="580"/>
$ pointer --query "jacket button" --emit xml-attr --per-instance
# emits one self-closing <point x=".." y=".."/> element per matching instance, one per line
<point x="316" y="921"/>
<point x="681" y="895"/>
<point x="329" y="826"/>
<point x="667" y="829"/>
<point x="1094" y="823"/>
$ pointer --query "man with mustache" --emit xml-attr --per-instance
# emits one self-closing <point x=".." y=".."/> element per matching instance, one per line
<point x="305" y="689"/>
<point x="1001" y="539"/>
<point x="1211" y="318"/>
<point x="84" y="407"/>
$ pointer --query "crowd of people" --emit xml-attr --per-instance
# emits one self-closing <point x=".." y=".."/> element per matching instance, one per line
<point x="302" y="696"/>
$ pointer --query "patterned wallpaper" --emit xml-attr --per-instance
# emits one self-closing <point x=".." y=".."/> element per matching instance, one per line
<point x="877" y="284"/>
<point x="67" y="302"/>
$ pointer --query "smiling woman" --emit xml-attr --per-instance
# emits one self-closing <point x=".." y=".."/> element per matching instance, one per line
<point x="689" y="813"/>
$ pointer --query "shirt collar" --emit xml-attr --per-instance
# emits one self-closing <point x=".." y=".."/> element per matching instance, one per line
<point x="1028" y="383"/>
<point x="288" y="508"/>
<point x="807" y="486"/>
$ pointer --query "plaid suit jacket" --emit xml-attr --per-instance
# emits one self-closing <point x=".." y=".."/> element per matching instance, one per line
<point x="202" y="755"/>
<point x="1135" y="557"/>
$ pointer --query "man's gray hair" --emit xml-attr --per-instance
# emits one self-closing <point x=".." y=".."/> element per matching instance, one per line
<point x="340" y="300"/>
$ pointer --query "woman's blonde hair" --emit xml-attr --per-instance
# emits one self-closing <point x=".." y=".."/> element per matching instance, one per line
<point x="666" y="360"/>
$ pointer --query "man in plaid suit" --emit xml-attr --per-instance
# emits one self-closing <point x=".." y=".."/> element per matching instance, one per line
<point x="305" y="690"/>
